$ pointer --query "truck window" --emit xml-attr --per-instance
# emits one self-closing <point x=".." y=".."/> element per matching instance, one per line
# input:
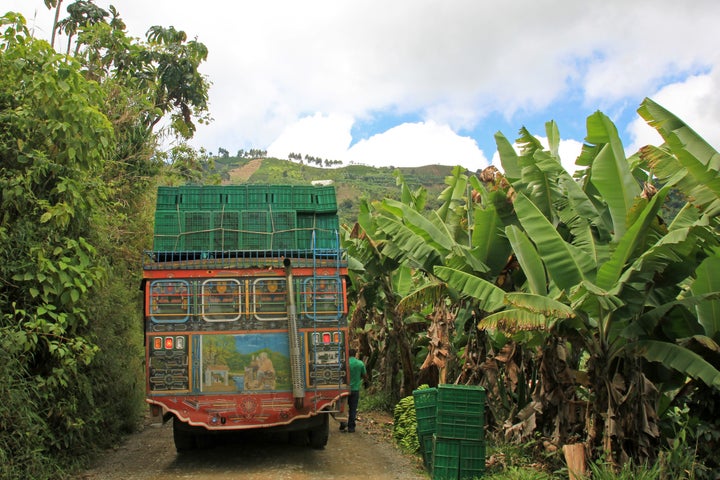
<point x="322" y="298"/>
<point x="221" y="300"/>
<point x="270" y="299"/>
<point x="169" y="301"/>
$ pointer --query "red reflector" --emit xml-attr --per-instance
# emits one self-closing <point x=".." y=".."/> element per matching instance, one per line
<point x="168" y="343"/>
<point x="326" y="337"/>
<point x="157" y="343"/>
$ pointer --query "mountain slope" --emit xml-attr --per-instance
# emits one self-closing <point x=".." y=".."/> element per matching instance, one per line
<point x="352" y="182"/>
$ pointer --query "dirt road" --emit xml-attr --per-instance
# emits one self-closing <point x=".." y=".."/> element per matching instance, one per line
<point x="367" y="454"/>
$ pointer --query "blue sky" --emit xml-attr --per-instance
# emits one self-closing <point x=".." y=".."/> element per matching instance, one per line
<point x="416" y="82"/>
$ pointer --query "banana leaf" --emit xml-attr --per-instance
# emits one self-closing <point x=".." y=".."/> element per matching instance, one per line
<point x="679" y="358"/>
<point x="489" y="296"/>
<point x="566" y="265"/>
<point x="529" y="260"/>
<point x="707" y="281"/>
<point x="515" y="319"/>
<point x="508" y="157"/>
<point x="611" y="173"/>
<point x="539" y="304"/>
<point x="610" y="271"/>
<point x="686" y="156"/>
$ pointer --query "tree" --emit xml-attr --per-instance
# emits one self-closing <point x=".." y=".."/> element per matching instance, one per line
<point x="78" y="149"/>
<point x="83" y="13"/>
<point x="54" y="142"/>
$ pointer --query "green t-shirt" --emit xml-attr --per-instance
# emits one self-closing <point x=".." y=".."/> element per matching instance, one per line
<point x="357" y="370"/>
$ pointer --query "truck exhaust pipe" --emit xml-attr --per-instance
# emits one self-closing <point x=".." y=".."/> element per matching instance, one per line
<point x="296" y="361"/>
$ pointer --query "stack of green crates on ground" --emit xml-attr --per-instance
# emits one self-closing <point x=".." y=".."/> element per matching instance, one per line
<point x="425" y="411"/>
<point x="245" y="217"/>
<point x="458" y="438"/>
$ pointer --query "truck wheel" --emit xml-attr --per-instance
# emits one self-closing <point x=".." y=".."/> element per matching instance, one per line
<point x="184" y="439"/>
<point x="319" y="435"/>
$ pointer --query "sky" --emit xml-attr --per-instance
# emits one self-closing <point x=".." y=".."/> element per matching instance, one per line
<point x="407" y="83"/>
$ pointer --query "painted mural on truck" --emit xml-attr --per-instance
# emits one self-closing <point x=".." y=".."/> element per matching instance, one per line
<point x="245" y="363"/>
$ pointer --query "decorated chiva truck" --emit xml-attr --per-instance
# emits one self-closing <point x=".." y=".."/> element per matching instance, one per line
<point x="245" y="311"/>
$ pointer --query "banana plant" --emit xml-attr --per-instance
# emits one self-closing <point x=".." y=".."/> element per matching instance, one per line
<point x="601" y="268"/>
<point x="377" y="283"/>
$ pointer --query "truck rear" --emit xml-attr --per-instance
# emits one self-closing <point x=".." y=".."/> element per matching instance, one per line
<point x="246" y="311"/>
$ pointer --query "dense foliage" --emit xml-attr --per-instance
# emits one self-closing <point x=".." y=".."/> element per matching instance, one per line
<point x="78" y="175"/>
<point x="588" y="315"/>
<point x="586" y="305"/>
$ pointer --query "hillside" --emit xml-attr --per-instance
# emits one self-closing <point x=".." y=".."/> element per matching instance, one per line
<point x="352" y="182"/>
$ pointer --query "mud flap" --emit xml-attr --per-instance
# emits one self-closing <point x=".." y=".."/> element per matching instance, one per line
<point x="340" y="414"/>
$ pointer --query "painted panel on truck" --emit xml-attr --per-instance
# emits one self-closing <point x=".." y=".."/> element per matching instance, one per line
<point x="245" y="363"/>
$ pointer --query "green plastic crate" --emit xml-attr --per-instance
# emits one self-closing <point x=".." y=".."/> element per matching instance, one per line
<point x="319" y="231"/>
<point x="325" y="199"/>
<point x="303" y="198"/>
<point x="281" y="196"/>
<point x="189" y="198"/>
<point x="167" y="198"/>
<point x="213" y="197"/>
<point x="258" y="197"/>
<point x="445" y="459"/>
<point x="472" y="459"/>
<point x="305" y="228"/>
<point x="426" y="449"/>
<point x="425" y="410"/>
<point x="236" y="197"/>
<point x="254" y="233"/>
<point x="461" y="426"/>
<point x="196" y="232"/>
<point x="226" y="230"/>
<point x="327" y="229"/>
<point x="167" y="230"/>
<point x="269" y="197"/>
<point x="283" y="227"/>
<point x="457" y="459"/>
<point x="461" y="398"/>
<point x="167" y="222"/>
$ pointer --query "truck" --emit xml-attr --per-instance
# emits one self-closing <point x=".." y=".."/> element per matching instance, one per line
<point x="245" y="311"/>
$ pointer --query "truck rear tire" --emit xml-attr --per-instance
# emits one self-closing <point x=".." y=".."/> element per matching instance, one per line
<point x="319" y="435"/>
<point x="184" y="439"/>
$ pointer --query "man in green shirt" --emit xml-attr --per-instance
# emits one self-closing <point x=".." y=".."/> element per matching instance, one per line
<point x="358" y="375"/>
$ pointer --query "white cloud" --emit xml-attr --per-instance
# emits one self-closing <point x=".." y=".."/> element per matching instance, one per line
<point x="406" y="145"/>
<point x="413" y="144"/>
<point x="449" y="64"/>
<point x="327" y="137"/>
<point x="694" y="100"/>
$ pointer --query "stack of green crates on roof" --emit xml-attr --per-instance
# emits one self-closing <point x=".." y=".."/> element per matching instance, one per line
<point x="453" y="416"/>
<point x="246" y="217"/>
<point x="318" y="231"/>
<point x="314" y="199"/>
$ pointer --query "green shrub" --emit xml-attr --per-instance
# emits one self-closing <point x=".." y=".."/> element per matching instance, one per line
<point x="519" y="473"/>
<point x="629" y="471"/>
<point x="23" y="431"/>
<point x="375" y="402"/>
